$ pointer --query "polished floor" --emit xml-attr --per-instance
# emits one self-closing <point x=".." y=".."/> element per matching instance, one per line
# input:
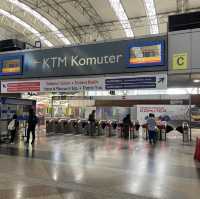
<point x="78" y="167"/>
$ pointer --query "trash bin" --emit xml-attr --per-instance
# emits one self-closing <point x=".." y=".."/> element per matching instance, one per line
<point x="185" y="126"/>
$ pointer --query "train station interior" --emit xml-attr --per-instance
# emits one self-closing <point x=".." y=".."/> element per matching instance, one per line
<point x="99" y="99"/>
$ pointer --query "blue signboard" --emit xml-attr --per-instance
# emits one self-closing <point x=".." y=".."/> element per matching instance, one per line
<point x="130" y="83"/>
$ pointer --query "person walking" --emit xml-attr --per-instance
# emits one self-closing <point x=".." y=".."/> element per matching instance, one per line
<point x="32" y="122"/>
<point x="126" y="126"/>
<point x="92" y="121"/>
<point x="13" y="127"/>
<point x="151" y="125"/>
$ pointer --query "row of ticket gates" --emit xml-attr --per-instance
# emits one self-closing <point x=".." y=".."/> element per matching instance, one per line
<point x="73" y="126"/>
<point x="109" y="128"/>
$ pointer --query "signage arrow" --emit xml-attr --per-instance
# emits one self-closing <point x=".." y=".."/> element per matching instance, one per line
<point x="161" y="80"/>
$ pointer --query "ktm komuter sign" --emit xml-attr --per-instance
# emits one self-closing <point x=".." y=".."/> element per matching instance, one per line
<point x="125" y="56"/>
<point x="75" y="61"/>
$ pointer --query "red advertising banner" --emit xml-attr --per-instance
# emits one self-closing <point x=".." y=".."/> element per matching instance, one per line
<point x="21" y="87"/>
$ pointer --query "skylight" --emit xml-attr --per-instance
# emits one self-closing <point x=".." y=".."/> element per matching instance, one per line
<point x="120" y="13"/>
<point x="151" y="14"/>
<point x="42" y="19"/>
<point x="27" y="26"/>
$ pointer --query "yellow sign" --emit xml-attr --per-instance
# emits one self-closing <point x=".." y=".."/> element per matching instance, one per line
<point x="180" y="61"/>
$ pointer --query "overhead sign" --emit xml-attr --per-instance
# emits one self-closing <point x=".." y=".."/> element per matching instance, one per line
<point x="137" y="82"/>
<point x="146" y="54"/>
<point x="53" y="85"/>
<point x="92" y="59"/>
<point x="86" y="84"/>
<point x="11" y="65"/>
<point x="180" y="61"/>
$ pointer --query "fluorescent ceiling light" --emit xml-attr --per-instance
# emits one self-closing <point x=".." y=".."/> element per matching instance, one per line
<point x="42" y="19"/>
<point x="151" y="14"/>
<point x="27" y="26"/>
<point x="119" y="11"/>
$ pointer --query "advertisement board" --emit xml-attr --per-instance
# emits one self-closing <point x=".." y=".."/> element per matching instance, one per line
<point x="158" y="81"/>
<point x="163" y="112"/>
<point x="146" y="54"/>
<point x="11" y="65"/>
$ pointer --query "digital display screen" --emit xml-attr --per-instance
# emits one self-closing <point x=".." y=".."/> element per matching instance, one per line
<point x="146" y="54"/>
<point x="11" y="65"/>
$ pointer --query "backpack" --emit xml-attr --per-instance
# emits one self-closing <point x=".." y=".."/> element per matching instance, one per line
<point x="11" y="125"/>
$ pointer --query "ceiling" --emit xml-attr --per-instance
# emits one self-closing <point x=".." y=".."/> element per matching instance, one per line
<point x="64" y="22"/>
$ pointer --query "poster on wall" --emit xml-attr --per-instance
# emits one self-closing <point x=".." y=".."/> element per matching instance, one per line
<point x="163" y="112"/>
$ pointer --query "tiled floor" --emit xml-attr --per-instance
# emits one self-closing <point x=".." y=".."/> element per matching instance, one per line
<point x="78" y="167"/>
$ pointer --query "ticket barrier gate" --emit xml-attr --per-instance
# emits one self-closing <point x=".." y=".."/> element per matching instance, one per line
<point x="50" y="127"/>
<point x="120" y="130"/>
<point x="162" y="131"/>
<point x="112" y="128"/>
<point x="72" y="126"/>
<point x="82" y="127"/>
<point x="102" y="127"/>
<point x="185" y="127"/>
<point x="136" y="129"/>
<point x="4" y="134"/>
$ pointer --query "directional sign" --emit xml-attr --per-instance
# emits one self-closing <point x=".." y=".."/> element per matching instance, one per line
<point x="158" y="81"/>
<point x="137" y="82"/>
<point x="180" y="61"/>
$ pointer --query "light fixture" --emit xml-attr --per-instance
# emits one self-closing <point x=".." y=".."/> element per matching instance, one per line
<point x="42" y="19"/>
<point x="27" y="26"/>
<point x="151" y="14"/>
<point x="38" y="44"/>
<point x="196" y="80"/>
<point x="121" y="14"/>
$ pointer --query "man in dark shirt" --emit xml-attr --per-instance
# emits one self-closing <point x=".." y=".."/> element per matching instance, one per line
<point x="92" y="120"/>
<point x="126" y="125"/>
<point x="32" y="122"/>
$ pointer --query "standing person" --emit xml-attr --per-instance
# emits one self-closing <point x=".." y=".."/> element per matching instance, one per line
<point x="32" y="122"/>
<point x="151" y="125"/>
<point x="126" y="126"/>
<point x="92" y="120"/>
<point x="13" y="127"/>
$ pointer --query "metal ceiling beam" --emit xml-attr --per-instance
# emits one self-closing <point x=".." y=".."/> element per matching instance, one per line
<point x="59" y="14"/>
<point x="85" y="7"/>
<point x="182" y="6"/>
